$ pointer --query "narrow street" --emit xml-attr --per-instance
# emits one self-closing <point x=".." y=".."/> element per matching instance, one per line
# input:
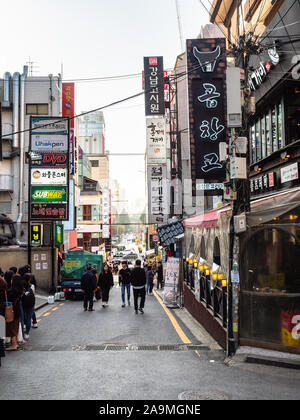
<point x="113" y="353"/>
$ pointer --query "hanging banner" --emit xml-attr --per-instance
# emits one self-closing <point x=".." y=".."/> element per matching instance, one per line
<point x="206" y="67"/>
<point x="171" y="281"/>
<point x="53" y="176"/>
<point x="154" y="86"/>
<point x="158" y="194"/>
<point x="156" y="140"/>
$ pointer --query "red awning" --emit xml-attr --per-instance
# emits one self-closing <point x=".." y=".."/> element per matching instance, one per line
<point x="208" y="219"/>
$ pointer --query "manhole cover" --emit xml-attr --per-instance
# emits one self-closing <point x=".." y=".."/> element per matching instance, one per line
<point x="202" y="396"/>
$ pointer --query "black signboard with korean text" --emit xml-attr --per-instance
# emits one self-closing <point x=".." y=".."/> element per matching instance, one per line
<point x="207" y="109"/>
<point x="154" y="86"/>
<point x="48" y="211"/>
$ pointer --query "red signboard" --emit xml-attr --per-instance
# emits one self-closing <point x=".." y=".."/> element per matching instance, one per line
<point x="68" y="110"/>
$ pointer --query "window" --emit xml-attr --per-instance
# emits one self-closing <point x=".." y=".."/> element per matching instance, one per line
<point x="37" y="109"/>
<point x="263" y="137"/>
<point x="95" y="163"/>
<point x="279" y="125"/>
<point x="253" y="151"/>
<point x="87" y="213"/>
<point x="268" y="137"/>
<point x="274" y="128"/>
<point x="257" y="140"/>
<point x="292" y="120"/>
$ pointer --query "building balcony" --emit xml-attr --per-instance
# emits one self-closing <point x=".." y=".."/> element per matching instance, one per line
<point x="6" y="183"/>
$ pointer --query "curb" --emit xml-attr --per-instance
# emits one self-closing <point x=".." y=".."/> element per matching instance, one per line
<point x="272" y="361"/>
<point x="40" y="306"/>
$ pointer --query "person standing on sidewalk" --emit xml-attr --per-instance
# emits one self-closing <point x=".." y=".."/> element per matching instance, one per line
<point x="124" y="281"/>
<point x="14" y="295"/>
<point x="150" y="280"/>
<point x="34" y="287"/>
<point x="28" y="302"/>
<point x="138" y="281"/>
<point x="88" y="285"/>
<point x="160" y="276"/>
<point x="105" y="282"/>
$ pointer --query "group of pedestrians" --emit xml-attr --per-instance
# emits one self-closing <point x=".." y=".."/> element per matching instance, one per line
<point x="140" y="279"/>
<point x="17" y="290"/>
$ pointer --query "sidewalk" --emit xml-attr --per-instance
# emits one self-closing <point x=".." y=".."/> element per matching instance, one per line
<point x="41" y="300"/>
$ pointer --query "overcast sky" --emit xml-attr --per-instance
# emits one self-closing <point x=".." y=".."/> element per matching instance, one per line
<point x="99" y="38"/>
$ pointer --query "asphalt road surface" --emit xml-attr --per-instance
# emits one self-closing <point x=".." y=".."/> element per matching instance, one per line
<point x="113" y="354"/>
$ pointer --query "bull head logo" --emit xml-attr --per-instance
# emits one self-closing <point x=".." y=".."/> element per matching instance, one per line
<point x="207" y="60"/>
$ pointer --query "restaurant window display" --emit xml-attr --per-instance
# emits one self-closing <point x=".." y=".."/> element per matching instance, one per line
<point x="270" y="286"/>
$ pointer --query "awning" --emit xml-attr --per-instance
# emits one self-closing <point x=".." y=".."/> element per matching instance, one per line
<point x="263" y="210"/>
<point x="208" y="219"/>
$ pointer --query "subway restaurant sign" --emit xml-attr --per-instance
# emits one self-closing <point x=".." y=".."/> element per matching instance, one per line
<point x="48" y="194"/>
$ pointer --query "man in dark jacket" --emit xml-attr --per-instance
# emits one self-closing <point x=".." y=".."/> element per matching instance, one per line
<point x="88" y="285"/>
<point x="138" y="281"/>
<point x="160" y="275"/>
<point x="124" y="281"/>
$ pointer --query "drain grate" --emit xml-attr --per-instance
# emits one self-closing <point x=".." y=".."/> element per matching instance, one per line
<point x="117" y="347"/>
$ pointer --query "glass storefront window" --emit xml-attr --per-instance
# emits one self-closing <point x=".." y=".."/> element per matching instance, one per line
<point x="263" y="137"/>
<point x="270" y="285"/>
<point x="257" y="140"/>
<point x="292" y="117"/>
<point x="274" y="129"/>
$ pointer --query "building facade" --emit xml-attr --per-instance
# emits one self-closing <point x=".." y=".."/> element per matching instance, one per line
<point x="21" y="97"/>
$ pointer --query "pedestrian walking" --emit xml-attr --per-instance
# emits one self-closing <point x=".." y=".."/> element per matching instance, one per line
<point x="88" y="285"/>
<point x="138" y="281"/>
<point x="160" y="276"/>
<point x="150" y="280"/>
<point x="28" y="303"/>
<point x="14" y="295"/>
<point x="3" y="291"/>
<point x="124" y="281"/>
<point x="105" y="282"/>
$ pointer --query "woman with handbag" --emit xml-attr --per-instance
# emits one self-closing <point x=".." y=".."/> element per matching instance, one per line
<point x="14" y="295"/>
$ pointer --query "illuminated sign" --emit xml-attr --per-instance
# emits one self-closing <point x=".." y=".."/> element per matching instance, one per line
<point x="206" y="69"/>
<point x="48" y="194"/>
<point x="154" y="86"/>
<point x="49" y="211"/>
<point x="36" y="235"/>
<point x="53" y="176"/>
<point x="48" y="159"/>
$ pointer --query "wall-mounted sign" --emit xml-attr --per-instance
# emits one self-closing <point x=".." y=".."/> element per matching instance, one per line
<point x="68" y="110"/>
<point x="49" y="211"/>
<point x="49" y="125"/>
<point x="59" y="234"/>
<point x="48" y="194"/>
<point x="158" y="198"/>
<point x="49" y="142"/>
<point x="290" y="173"/>
<point x="49" y="159"/>
<point x="106" y="214"/>
<point x="156" y="140"/>
<point x="36" y="232"/>
<point x="259" y="74"/>
<point x="206" y="64"/>
<point x="263" y="183"/>
<point x="154" y="85"/>
<point x="53" y="176"/>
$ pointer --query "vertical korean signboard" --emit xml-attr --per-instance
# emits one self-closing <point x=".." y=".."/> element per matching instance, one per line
<point x="68" y="110"/>
<point x="206" y="67"/>
<point x="156" y="140"/>
<point x="49" y="172"/>
<point x="106" y="214"/>
<point x="157" y="194"/>
<point x="154" y="86"/>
